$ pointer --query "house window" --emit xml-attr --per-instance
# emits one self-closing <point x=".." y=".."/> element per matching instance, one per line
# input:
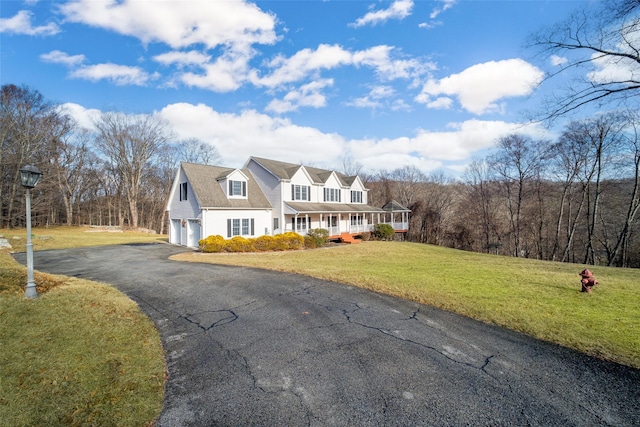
<point x="299" y="224"/>
<point x="356" y="197"/>
<point x="237" y="188"/>
<point x="240" y="227"/>
<point x="300" y="192"/>
<point x="332" y="195"/>
<point x="183" y="191"/>
<point x="357" y="220"/>
<point x="276" y="224"/>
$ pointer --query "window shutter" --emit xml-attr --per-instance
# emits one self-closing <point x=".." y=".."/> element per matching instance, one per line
<point x="308" y="193"/>
<point x="244" y="189"/>
<point x="230" y="188"/>
<point x="228" y="228"/>
<point x="253" y="227"/>
<point x="293" y="192"/>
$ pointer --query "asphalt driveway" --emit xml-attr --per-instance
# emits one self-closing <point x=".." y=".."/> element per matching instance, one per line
<point x="248" y="347"/>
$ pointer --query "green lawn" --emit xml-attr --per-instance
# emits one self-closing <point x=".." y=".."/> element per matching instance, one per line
<point x="539" y="298"/>
<point x="82" y="353"/>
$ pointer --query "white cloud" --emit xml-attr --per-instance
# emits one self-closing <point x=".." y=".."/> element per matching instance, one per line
<point x="120" y="75"/>
<point x="430" y="25"/>
<point x="308" y="95"/>
<point x="250" y="133"/>
<point x="365" y="102"/>
<point x="446" y="4"/>
<point x="181" y="59"/>
<point x="478" y="88"/>
<point x="456" y="144"/>
<point x="613" y="69"/>
<point x="225" y="74"/>
<point x="307" y="62"/>
<point x="558" y="60"/>
<point x="59" y="57"/>
<point x="21" y="24"/>
<point x="399" y="9"/>
<point x="238" y="136"/>
<point x="442" y="103"/>
<point x="304" y="62"/>
<point x="373" y="99"/>
<point x="85" y="117"/>
<point x="178" y="23"/>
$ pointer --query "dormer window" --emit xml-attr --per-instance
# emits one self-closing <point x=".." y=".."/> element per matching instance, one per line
<point x="237" y="188"/>
<point x="356" y="196"/>
<point x="300" y="192"/>
<point x="332" y="195"/>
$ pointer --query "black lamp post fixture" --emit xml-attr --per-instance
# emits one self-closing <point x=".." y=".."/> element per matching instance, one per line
<point x="29" y="177"/>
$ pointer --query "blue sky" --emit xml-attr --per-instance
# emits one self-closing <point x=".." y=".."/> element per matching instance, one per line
<point x="430" y="84"/>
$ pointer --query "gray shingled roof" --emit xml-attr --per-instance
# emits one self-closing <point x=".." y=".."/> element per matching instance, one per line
<point x="393" y="206"/>
<point x="302" y="207"/>
<point x="285" y="171"/>
<point x="209" y="192"/>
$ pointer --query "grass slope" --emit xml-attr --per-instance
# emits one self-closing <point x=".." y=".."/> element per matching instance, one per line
<point x="539" y="298"/>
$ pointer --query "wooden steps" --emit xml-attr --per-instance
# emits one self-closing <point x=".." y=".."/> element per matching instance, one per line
<point x="348" y="238"/>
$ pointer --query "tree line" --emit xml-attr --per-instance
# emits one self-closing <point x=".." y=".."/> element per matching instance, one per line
<point x="571" y="200"/>
<point x="118" y="175"/>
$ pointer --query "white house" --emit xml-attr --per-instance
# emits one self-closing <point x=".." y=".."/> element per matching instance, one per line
<point x="268" y="197"/>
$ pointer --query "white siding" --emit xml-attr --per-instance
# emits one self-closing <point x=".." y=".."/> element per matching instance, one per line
<point x="181" y="210"/>
<point x="215" y="221"/>
<point x="272" y="189"/>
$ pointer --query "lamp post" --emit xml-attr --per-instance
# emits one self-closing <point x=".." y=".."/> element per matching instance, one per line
<point x="29" y="177"/>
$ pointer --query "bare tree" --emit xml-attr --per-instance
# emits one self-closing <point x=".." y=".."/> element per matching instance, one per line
<point x="72" y="162"/>
<point x="404" y="181"/>
<point x="516" y="162"/>
<point x="569" y="155"/>
<point x="630" y="143"/>
<point x="480" y="201"/>
<point x="602" y="46"/>
<point x="130" y="144"/>
<point x="193" y="150"/>
<point x="28" y="123"/>
<point x="601" y="135"/>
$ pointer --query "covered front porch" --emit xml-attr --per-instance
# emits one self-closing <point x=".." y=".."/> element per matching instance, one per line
<point x="338" y="218"/>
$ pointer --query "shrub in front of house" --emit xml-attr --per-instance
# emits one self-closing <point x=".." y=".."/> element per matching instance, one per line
<point x="383" y="232"/>
<point x="280" y="242"/>
<point x="310" y="242"/>
<point x="292" y="240"/>
<point x="366" y="236"/>
<point x="240" y="244"/>
<point x="213" y="244"/>
<point x="320" y="237"/>
<point x="265" y="243"/>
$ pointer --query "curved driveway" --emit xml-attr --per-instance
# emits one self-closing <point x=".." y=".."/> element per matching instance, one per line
<point x="247" y="347"/>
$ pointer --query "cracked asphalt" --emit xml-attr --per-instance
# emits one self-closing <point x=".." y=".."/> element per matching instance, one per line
<point x="250" y="347"/>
